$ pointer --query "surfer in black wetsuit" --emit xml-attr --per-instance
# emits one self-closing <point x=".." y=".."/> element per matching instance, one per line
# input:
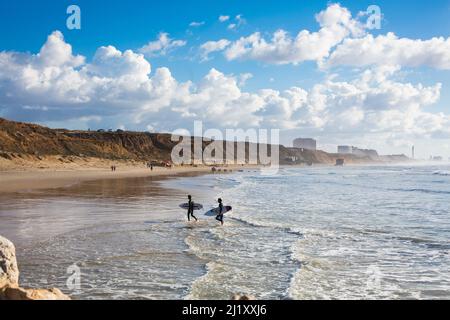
<point x="191" y="209"/>
<point x="220" y="214"/>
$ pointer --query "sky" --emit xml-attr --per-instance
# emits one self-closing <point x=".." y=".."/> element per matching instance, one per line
<point x="308" y="68"/>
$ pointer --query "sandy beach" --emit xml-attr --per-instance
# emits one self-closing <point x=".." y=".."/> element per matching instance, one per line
<point x="16" y="181"/>
<point x="123" y="230"/>
<point x="29" y="173"/>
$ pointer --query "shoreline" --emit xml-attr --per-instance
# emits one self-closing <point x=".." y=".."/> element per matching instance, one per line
<point x="293" y="289"/>
<point x="20" y="181"/>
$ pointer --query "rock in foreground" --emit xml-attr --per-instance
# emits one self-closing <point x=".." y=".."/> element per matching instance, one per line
<point x="9" y="273"/>
<point x="9" y="278"/>
<point x="17" y="293"/>
<point x="242" y="297"/>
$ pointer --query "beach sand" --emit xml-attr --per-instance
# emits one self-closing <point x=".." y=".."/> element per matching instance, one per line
<point x="45" y="179"/>
<point x="55" y="172"/>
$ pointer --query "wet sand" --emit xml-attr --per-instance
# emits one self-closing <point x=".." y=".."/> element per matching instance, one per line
<point x="122" y="233"/>
<point x="16" y="181"/>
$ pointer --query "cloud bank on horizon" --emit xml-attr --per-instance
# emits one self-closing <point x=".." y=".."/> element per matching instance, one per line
<point x="120" y="88"/>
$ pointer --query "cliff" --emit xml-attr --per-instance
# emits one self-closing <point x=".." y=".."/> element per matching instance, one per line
<point x="22" y="140"/>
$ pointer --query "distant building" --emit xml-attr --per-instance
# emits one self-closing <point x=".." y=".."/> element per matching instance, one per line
<point x="292" y="159"/>
<point x="345" y="149"/>
<point x="358" y="152"/>
<point x="365" y="153"/>
<point x="308" y="144"/>
<point x="340" y="162"/>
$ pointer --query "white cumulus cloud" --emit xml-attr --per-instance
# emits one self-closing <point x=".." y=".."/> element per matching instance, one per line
<point x="336" y="24"/>
<point x="390" y="49"/>
<point x="161" y="46"/>
<point x="212" y="46"/>
<point x="342" y="40"/>
<point x="118" y="88"/>
<point x="224" y="18"/>
<point x="196" y="24"/>
<point x="238" y="22"/>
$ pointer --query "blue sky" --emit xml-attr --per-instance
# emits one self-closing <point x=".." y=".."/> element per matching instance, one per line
<point x="130" y="25"/>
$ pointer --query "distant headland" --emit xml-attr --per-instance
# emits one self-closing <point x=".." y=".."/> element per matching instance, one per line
<point x="31" y="146"/>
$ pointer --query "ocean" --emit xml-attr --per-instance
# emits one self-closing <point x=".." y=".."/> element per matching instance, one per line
<point x="366" y="232"/>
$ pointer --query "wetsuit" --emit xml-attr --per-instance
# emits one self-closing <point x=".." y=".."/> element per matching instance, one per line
<point x="220" y="215"/>
<point x="191" y="210"/>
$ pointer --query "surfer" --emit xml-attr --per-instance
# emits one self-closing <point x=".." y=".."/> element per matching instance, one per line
<point x="220" y="214"/>
<point x="191" y="209"/>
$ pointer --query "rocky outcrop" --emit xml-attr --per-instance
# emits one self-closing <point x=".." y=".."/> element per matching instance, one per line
<point x="17" y="293"/>
<point x="242" y="297"/>
<point x="9" y="278"/>
<point x="18" y="138"/>
<point x="9" y="273"/>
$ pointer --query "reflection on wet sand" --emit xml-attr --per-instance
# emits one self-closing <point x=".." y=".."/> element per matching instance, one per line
<point x="37" y="215"/>
<point x="122" y="233"/>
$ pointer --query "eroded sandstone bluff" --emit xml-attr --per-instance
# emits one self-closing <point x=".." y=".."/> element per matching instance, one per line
<point x="9" y="278"/>
<point x="23" y="140"/>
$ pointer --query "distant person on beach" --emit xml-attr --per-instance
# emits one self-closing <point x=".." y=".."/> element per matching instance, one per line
<point x="220" y="214"/>
<point x="191" y="209"/>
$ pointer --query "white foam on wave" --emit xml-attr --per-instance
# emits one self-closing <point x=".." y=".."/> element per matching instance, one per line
<point x="242" y="258"/>
<point x="322" y="243"/>
<point x="441" y="173"/>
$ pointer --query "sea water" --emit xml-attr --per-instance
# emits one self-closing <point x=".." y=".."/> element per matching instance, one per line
<point x="373" y="232"/>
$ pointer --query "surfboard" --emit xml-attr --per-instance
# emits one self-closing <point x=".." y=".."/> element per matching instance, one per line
<point x="197" y="206"/>
<point x="214" y="212"/>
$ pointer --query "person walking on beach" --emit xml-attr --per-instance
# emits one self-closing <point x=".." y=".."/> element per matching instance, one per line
<point x="191" y="209"/>
<point x="220" y="214"/>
